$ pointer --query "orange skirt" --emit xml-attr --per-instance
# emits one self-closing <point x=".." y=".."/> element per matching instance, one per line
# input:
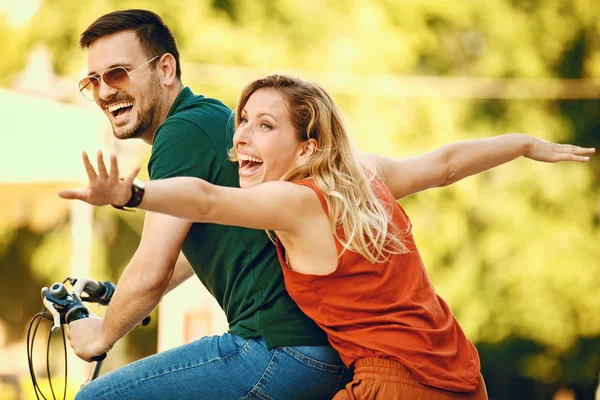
<point x="376" y="378"/>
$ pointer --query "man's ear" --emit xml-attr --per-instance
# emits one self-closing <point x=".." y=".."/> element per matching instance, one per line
<point x="168" y="65"/>
<point x="307" y="150"/>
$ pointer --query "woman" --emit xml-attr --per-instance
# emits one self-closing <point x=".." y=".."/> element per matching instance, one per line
<point x="345" y="245"/>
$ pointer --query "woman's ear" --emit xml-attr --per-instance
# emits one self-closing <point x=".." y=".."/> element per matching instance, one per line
<point x="307" y="150"/>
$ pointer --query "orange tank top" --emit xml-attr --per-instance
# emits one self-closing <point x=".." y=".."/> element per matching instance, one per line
<point x="387" y="310"/>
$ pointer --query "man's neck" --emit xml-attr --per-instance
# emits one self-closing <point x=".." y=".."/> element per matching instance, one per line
<point x="162" y="113"/>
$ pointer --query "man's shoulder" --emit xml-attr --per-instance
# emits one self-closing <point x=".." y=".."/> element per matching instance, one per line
<point x="198" y="117"/>
<point x="193" y="141"/>
<point x="199" y="109"/>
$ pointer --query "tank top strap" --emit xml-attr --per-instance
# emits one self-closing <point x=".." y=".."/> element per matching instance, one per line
<point x="311" y="184"/>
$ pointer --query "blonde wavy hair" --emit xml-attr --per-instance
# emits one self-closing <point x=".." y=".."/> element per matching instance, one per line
<point x="344" y="180"/>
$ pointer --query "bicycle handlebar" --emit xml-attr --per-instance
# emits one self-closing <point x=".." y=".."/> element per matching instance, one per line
<point x="66" y="308"/>
<point x="97" y="292"/>
<point x="62" y="307"/>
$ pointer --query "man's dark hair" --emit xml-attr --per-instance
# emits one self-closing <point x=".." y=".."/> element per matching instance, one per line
<point x="155" y="37"/>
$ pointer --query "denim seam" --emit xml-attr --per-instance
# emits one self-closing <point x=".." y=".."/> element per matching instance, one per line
<point x="336" y="388"/>
<point x="311" y="361"/>
<point x="265" y="376"/>
<point x="242" y="350"/>
<point x="130" y="384"/>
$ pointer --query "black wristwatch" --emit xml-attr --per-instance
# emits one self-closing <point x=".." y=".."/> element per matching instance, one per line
<point x="137" y="194"/>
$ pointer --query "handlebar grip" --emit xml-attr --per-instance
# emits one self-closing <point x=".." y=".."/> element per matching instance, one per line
<point x="93" y="288"/>
<point x="108" y="289"/>
<point x="76" y="311"/>
<point x="100" y="357"/>
<point x="96" y="292"/>
<point x="79" y="312"/>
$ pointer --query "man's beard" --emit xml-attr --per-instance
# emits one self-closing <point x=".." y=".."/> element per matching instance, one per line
<point x="143" y="122"/>
<point x="146" y="111"/>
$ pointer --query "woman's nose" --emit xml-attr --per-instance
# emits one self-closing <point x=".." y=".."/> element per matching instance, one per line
<point x="241" y="134"/>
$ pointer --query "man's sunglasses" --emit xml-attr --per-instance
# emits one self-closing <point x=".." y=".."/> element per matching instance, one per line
<point x="117" y="78"/>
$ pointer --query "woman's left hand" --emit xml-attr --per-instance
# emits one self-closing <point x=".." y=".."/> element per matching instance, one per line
<point x="545" y="151"/>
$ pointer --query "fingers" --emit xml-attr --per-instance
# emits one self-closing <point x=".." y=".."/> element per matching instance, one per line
<point x="71" y="194"/>
<point x="101" y="167"/>
<point x="89" y="168"/>
<point x="100" y="180"/>
<point x="571" y="157"/>
<point x="114" y="168"/>
<point x="114" y="171"/>
<point x="576" y="149"/>
<point x="132" y="175"/>
<point x="582" y="150"/>
<point x="569" y="152"/>
<point x="102" y="172"/>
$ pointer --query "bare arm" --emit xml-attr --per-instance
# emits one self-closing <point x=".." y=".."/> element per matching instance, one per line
<point x="146" y="277"/>
<point x="452" y="162"/>
<point x="182" y="272"/>
<point x="279" y="206"/>
<point x="140" y="288"/>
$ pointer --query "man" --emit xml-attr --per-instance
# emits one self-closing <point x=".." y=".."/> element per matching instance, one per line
<point x="272" y="350"/>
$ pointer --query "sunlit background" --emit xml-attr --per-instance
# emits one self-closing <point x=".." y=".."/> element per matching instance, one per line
<point x="515" y="251"/>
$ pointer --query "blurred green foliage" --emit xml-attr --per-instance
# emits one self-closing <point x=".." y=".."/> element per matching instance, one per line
<point x="514" y="251"/>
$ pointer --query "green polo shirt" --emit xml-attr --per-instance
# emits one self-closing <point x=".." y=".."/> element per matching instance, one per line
<point x="238" y="266"/>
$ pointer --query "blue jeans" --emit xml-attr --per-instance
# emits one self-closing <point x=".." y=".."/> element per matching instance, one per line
<point x="226" y="367"/>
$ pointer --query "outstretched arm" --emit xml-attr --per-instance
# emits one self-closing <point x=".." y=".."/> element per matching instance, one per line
<point x="455" y="161"/>
<point x="279" y="206"/>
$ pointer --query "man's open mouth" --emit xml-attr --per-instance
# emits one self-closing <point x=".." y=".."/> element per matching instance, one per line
<point x="120" y="109"/>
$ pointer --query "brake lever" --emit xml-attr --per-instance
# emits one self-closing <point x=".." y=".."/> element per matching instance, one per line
<point x="53" y="311"/>
<point x="95" y="292"/>
<point x="79" y="287"/>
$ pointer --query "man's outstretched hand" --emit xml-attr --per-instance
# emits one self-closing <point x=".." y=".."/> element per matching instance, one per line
<point x="103" y="187"/>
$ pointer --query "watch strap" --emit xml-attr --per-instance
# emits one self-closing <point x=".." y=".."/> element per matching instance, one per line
<point x="137" y="194"/>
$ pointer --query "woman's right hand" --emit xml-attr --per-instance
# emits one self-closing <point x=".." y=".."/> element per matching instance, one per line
<point x="103" y="187"/>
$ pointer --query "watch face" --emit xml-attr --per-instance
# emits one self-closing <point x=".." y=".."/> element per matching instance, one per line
<point x="138" y="183"/>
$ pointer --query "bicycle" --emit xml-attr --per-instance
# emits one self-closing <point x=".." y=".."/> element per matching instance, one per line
<point x="62" y="307"/>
